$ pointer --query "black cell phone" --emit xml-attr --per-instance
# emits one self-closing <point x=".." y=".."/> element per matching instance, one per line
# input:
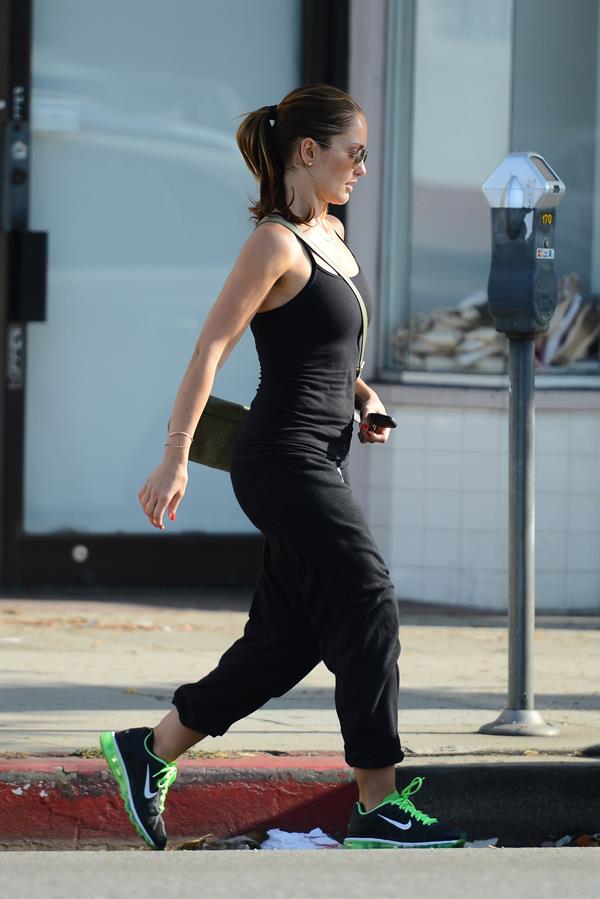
<point x="379" y="420"/>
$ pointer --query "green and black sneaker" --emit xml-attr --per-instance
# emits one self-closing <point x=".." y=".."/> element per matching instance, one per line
<point x="396" y="824"/>
<point x="143" y="779"/>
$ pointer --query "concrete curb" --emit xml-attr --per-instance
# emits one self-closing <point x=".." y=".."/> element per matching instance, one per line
<point x="71" y="801"/>
<point x="76" y="800"/>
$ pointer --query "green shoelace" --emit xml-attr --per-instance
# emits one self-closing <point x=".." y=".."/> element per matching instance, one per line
<point x="402" y="800"/>
<point x="169" y="772"/>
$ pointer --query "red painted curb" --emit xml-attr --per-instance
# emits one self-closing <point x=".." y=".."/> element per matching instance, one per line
<point x="77" y="799"/>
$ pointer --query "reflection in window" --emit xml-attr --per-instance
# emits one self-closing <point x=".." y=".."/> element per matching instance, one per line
<point x="460" y="131"/>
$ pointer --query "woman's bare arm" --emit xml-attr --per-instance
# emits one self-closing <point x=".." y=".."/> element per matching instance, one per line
<point x="266" y="255"/>
<point x="362" y="393"/>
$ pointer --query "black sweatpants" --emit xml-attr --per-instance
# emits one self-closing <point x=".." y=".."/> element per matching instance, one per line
<point x="323" y="593"/>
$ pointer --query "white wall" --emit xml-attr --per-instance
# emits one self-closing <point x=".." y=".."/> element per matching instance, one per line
<point x="438" y="506"/>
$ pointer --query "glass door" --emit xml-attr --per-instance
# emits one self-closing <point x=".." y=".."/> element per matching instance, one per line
<point x="137" y="181"/>
<point x="136" y="177"/>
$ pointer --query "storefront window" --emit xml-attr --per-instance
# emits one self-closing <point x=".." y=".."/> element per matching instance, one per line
<point x="461" y="92"/>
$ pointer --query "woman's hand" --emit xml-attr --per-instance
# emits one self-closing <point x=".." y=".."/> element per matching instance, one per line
<point x="372" y="433"/>
<point x="163" y="490"/>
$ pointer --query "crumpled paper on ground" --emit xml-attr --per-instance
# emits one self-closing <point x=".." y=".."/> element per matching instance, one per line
<point x="315" y="839"/>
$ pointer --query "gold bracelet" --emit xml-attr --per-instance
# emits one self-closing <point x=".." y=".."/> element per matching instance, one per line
<point x="170" y="434"/>
<point x="178" y="445"/>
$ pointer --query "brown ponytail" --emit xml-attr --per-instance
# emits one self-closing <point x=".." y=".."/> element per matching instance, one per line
<point x="313" y="110"/>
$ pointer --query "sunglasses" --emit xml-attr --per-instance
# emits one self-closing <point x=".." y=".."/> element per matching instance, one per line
<point x="359" y="157"/>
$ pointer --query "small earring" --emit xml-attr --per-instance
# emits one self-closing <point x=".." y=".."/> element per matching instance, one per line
<point x="310" y="163"/>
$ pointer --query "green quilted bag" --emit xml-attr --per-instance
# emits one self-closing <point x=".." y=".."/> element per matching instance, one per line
<point x="216" y="432"/>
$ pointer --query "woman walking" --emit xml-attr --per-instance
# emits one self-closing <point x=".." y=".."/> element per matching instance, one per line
<point x="323" y="590"/>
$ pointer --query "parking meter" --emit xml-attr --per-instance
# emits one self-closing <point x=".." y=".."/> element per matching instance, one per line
<point x="522" y="292"/>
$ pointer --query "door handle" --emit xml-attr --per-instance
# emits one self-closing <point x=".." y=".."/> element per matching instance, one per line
<point x="28" y="283"/>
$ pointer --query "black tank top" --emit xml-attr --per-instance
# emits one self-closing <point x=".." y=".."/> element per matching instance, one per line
<point x="308" y="350"/>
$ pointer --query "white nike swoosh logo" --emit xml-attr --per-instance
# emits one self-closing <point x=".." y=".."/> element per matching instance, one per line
<point x="147" y="792"/>
<point x="396" y="823"/>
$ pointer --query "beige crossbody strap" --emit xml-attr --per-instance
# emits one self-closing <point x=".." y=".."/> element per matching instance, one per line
<point x="273" y="217"/>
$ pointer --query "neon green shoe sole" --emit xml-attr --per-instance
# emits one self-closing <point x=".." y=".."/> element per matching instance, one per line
<point x="111" y="753"/>
<point x="365" y="843"/>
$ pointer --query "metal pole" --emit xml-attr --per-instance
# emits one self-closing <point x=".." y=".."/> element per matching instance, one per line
<point x="520" y="718"/>
<point x="521" y="510"/>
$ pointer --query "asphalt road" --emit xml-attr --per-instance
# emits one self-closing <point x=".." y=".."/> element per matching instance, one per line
<point x="327" y="874"/>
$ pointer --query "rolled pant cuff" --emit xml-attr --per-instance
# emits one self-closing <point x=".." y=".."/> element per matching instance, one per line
<point x="202" y="728"/>
<point x="381" y="757"/>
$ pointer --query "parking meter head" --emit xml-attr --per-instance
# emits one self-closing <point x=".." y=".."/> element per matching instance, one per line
<point x="523" y="180"/>
<point x="523" y="193"/>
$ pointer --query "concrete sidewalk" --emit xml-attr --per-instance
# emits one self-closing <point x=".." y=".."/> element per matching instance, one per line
<point x="72" y="667"/>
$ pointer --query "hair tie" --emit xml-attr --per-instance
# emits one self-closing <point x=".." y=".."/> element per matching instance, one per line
<point x="273" y="112"/>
